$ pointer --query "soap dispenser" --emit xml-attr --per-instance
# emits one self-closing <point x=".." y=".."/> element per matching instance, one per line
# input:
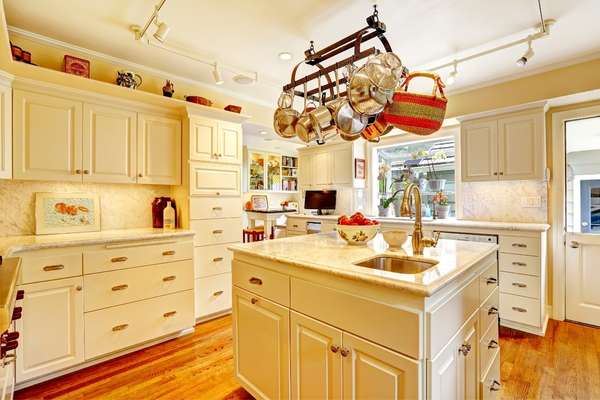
<point x="169" y="217"/>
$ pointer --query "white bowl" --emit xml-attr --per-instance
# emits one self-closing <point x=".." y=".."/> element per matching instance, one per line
<point x="357" y="234"/>
<point x="395" y="238"/>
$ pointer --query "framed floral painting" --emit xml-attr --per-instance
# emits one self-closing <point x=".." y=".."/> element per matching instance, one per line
<point x="66" y="213"/>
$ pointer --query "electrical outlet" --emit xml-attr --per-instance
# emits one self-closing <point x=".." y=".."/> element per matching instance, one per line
<point x="531" y="201"/>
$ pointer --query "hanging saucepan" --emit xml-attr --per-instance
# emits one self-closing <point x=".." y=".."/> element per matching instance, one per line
<point x="378" y="128"/>
<point x="321" y="118"/>
<point x="285" y="117"/>
<point x="304" y="127"/>
<point x="349" y="123"/>
<point x="385" y="70"/>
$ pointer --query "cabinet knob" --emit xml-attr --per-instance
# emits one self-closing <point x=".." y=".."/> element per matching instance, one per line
<point x="254" y="300"/>
<point x="255" y="281"/>
<point x="493" y="344"/>
<point x="574" y="244"/>
<point x="495" y="173"/>
<point x="86" y="172"/>
<point x="465" y="349"/>
<point x="501" y="173"/>
<point x="78" y="288"/>
<point x="140" y="175"/>
<point x="493" y="311"/>
<point x="334" y="348"/>
<point x="344" y="352"/>
<point x="78" y="172"/>
<point x="8" y="359"/>
<point x="495" y="386"/>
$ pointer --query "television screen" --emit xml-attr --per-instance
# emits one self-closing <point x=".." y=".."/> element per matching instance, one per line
<point x="319" y="199"/>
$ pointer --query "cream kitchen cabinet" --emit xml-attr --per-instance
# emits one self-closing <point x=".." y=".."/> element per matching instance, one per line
<point x="509" y="147"/>
<point x="322" y="167"/>
<point x="159" y="150"/>
<point x="212" y="179"/>
<point x="217" y="141"/>
<point x="52" y="333"/>
<point x="5" y="127"/>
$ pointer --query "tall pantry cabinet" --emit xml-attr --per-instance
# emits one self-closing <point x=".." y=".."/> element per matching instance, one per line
<point x="211" y="202"/>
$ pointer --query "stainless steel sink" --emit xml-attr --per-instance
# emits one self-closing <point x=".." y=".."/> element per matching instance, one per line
<point x="402" y="265"/>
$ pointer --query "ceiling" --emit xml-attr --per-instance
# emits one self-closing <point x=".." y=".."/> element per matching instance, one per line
<point x="249" y="35"/>
<point x="582" y="135"/>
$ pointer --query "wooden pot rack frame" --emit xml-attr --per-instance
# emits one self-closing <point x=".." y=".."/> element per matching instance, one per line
<point x="374" y="29"/>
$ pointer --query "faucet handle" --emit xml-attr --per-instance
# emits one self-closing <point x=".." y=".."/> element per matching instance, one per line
<point x="431" y="242"/>
<point x="436" y="237"/>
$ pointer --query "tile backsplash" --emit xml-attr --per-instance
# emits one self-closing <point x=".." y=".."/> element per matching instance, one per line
<point x="123" y="206"/>
<point x="503" y="201"/>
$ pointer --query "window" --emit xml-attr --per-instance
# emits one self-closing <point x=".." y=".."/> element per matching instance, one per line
<point x="428" y="163"/>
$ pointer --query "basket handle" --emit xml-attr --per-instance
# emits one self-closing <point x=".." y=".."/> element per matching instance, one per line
<point x="439" y="85"/>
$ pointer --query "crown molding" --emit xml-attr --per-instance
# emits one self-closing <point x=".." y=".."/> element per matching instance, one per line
<point x="130" y="64"/>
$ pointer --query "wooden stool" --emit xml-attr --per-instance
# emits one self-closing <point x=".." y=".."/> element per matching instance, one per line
<point x="253" y="234"/>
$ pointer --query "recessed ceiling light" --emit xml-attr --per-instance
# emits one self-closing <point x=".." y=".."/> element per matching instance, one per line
<point x="285" y="56"/>
<point x="243" y="79"/>
<point x="263" y="132"/>
<point x="268" y="140"/>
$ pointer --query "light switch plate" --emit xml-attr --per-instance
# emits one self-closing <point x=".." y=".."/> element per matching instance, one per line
<point x="531" y="201"/>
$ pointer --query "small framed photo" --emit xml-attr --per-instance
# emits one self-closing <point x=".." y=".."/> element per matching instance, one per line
<point x="66" y="213"/>
<point x="359" y="168"/>
<point x="77" y="66"/>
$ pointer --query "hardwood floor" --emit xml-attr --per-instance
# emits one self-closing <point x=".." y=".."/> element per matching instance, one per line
<point x="565" y="364"/>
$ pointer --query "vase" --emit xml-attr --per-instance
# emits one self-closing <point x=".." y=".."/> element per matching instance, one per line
<point x="437" y="185"/>
<point x="382" y="211"/>
<point x="442" y="211"/>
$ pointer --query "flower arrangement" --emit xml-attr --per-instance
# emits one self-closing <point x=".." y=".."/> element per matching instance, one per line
<point x="440" y="199"/>
<point x="284" y="204"/>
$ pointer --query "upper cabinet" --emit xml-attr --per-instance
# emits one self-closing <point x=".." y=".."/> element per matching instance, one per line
<point x="511" y="147"/>
<point x="5" y="128"/>
<point x="159" y="150"/>
<point x="271" y="172"/>
<point x="217" y="141"/>
<point x="321" y="167"/>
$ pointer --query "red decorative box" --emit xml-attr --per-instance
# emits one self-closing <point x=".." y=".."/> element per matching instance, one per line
<point x="77" y="66"/>
<point x="233" y="108"/>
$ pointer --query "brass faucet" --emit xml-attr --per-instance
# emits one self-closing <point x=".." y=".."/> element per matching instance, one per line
<point x="419" y="242"/>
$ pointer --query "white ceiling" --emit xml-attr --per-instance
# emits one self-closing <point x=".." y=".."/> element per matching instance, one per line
<point x="583" y="135"/>
<point x="250" y="34"/>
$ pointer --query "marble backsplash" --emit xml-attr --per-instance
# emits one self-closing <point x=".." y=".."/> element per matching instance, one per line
<point x="502" y="201"/>
<point x="123" y="205"/>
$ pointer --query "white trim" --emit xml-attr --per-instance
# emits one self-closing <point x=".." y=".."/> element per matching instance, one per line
<point x="132" y="65"/>
<point x="558" y="205"/>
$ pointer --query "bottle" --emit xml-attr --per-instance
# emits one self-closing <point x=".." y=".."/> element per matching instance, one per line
<point x="169" y="217"/>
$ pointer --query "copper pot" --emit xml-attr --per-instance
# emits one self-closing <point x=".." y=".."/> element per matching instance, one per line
<point x="349" y="123"/>
<point x="304" y="126"/>
<point x="322" y="120"/>
<point x="285" y="117"/>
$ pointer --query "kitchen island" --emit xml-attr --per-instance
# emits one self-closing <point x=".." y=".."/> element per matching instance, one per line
<point x="311" y="323"/>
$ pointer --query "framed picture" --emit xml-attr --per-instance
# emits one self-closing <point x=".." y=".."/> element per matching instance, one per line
<point x="66" y="213"/>
<point x="359" y="168"/>
<point x="77" y="66"/>
<point x="259" y="202"/>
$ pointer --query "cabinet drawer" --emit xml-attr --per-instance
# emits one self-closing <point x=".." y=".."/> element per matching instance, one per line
<point x="215" y="207"/>
<point x="520" y="309"/>
<point x="390" y="326"/>
<point x="211" y="179"/>
<point x="522" y="285"/>
<point x="125" y="286"/>
<point x="529" y="246"/>
<point x="38" y="269"/>
<point x="296" y="225"/>
<point x="212" y="260"/>
<point x="269" y="284"/>
<point x="490" y="384"/>
<point x="520" y="264"/>
<point x="488" y="313"/>
<point x="213" y="295"/>
<point x="489" y="346"/>
<point x="117" y="328"/>
<point x="488" y="281"/>
<point x="217" y="231"/>
<point x="294" y="233"/>
<point x="121" y="257"/>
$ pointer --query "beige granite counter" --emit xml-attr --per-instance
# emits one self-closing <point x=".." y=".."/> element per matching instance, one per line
<point x="327" y="253"/>
<point x="12" y="245"/>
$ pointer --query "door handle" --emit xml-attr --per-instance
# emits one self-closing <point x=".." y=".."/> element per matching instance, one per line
<point x="217" y="259"/>
<point x="217" y="231"/>
<point x="53" y="267"/>
<point x="520" y="245"/>
<point x="169" y="278"/>
<point x="119" y="287"/>
<point x="519" y="264"/>
<point x="218" y="293"/>
<point x="120" y="327"/>
<point x="255" y="281"/>
<point x="118" y="259"/>
<point x="493" y="311"/>
<point x="519" y="309"/>
<point x="168" y="253"/>
<point x="493" y="344"/>
<point x="169" y="314"/>
<point x="491" y="281"/>
<point x="574" y="244"/>
<point x="519" y="284"/>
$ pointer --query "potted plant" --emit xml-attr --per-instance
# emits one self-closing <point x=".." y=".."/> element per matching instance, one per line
<point x="435" y="184"/>
<point x="442" y="208"/>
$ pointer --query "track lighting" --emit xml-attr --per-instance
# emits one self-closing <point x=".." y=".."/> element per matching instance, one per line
<point x="162" y="30"/>
<point x="452" y="75"/>
<point x="217" y="75"/>
<point x="521" y="62"/>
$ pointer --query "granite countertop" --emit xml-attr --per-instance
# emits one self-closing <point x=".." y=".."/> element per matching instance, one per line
<point x="326" y="252"/>
<point x="11" y="245"/>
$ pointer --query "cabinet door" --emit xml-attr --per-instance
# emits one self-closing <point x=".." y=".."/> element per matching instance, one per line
<point x="229" y="143"/>
<point x="479" y="151"/>
<point x="454" y="373"/>
<point x="51" y="327"/>
<point x="159" y="150"/>
<point x="305" y="164"/>
<point x="315" y="359"/>
<point x="211" y="179"/>
<point x="321" y="171"/>
<point x="47" y="134"/>
<point x="342" y="168"/>
<point x="5" y="132"/>
<point x="261" y="345"/>
<point x="521" y="147"/>
<point x="373" y="372"/>
<point x="203" y="139"/>
<point x="109" y="144"/>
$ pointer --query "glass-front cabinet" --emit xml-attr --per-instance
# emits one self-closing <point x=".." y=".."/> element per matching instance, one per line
<point x="272" y="172"/>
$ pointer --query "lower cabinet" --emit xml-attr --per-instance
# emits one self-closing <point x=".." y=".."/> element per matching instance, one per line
<point x="51" y="328"/>
<point x="212" y="295"/>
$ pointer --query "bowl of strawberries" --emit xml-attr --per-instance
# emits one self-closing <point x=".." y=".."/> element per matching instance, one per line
<point x="357" y="229"/>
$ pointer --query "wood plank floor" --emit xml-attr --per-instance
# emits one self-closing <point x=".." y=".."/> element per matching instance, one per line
<point x="565" y="364"/>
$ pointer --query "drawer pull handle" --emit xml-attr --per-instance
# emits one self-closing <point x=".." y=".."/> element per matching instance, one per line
<point x="118" y="259"/>
<point x="217" y="231"/>
<point x="519" y="309"/>
<point x="169" y="253"/>
<point x="495" y="386"/>
<point x="217" y="259"/>
<point x="169" y="278"/>
<point x="220" y="292"/>
<point x="120" y="327"/>
<point x="491" y="281"/>
<point x="119" y="287"/>
<point x="344" y="352"/>
<point x="295" y="226"/>
<point x="519" y="284"/>
<point x="521" y="245"/>
<point x="334" y="348"/>
<point x="254" y="300"/>
<point x="217" y="208"/>
<point x="465" y="349"/>
<point x="574" y="244"/>
<point x="493" y="311"/>
<point x="56" y="267"/>
<point x="493" y="344"/>
<point x="255" y="281"/>
<point x="169" y="314"/>
<point x="519" y="264"/>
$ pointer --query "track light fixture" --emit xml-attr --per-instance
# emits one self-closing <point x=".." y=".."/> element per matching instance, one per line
<point x="521" y="62"/>
<point x="217" y="75"/>
<point x="452" y="75"/>
<point x="162" y="30"/>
